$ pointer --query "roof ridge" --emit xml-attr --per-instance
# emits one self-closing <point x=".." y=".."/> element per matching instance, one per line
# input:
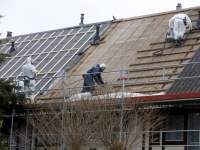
<point x="155" y="14"/>
<point x="72" y="27"/>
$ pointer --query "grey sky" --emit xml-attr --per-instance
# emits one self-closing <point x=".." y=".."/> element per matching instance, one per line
<point x="29" y="16"/>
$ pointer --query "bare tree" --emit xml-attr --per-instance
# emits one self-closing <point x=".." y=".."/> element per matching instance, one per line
<point x="56" y="126"/>
<point x="123" y="125"/>
<point x="104" y="121"/>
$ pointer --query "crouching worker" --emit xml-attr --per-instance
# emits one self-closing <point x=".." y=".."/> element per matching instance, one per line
<point x="178" y="24"/>
<point x="29" y="73"/>
<point x="94" y="75"/>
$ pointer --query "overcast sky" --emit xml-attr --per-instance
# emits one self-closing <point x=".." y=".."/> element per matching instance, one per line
<point x="30" y="16"/>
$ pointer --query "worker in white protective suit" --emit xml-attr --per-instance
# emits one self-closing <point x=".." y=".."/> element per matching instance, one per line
<point x="178" y="24"/>
<point x="29" y="73"/>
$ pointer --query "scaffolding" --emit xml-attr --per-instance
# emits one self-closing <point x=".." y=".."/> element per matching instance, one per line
<point x="123" y="80"/>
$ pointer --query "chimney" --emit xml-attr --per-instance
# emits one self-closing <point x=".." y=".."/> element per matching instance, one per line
<point x="198" y="21"/>
<point x="12" y="49"/>
<point x="97" y="37"/>
<point x="178" y="7"/>
<point x="9" y="34"/>
<point x="82" y="17"/>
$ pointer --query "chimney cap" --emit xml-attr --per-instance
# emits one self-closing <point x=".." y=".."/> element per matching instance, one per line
<point x="9" y="34"/>
<point x="82" y="18"/>
<point x="178" y="7"/>
<point x="178" y="4"/>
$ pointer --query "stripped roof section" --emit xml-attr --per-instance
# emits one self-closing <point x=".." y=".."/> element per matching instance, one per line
<point x="130" y="43"/>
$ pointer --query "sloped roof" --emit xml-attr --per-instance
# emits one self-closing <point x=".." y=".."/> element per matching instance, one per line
<point x="130" y="43"/>
<point x="53" y="52"/>
<point x="188" y="80"/>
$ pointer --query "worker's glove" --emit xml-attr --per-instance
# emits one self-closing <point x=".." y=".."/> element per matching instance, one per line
<point x="37" y="71"/>
<point x="102" y="85"/>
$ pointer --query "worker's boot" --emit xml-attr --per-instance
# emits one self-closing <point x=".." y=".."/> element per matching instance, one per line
<point x="179" y="40"/>
<point x="176" y="43"/>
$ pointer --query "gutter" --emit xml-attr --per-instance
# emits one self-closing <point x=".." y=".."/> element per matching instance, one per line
<point x="166" y="97"/>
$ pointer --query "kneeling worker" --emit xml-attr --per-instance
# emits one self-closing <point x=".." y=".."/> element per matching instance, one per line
<point x="178" y="24"/>
<point x="94" y="73"/>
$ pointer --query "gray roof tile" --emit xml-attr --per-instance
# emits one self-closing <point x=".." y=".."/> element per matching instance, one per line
<point x="51" y="51"/>
<point x="189" y="78"/>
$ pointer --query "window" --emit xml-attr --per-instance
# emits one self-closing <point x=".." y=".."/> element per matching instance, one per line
<point x="175" y="122"/>
<point x="193" y="136"/>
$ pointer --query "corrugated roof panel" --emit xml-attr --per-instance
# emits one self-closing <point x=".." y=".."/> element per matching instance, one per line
<point x="35" y="47"/>
<point x="31" y="37"/>
<point x="5" y="48"/>
<point x="45" y="61"/>
<point x="52" y="45"/>
<point x="66" y="31"/>
<point x="84" y="40"/>
<point x="73" y="41"/>
<point x="188" y="79"/>
<point x="53" y="61"/>
<point x="64" y="60"/>
<point x="47" y="35"/>
<point x="39" y="35"/>
<point x="56" y="33"/>
<point x="85" y="29"/>
<point x="75" y="30"/>
<point x="27" y="48"/>
<point x="39" y="59"/>
<point x="45" y="45"/>
<point x="7" y="67"/>
<point x="22" y="38"/>
<point x="10" y="71"/>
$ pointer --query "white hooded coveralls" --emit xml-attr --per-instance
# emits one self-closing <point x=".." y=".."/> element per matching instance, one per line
<point x="176" y="22"/>
<point x="29" y="72"/>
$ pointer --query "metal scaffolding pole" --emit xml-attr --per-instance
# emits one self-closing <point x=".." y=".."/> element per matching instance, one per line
<point x="26" y="131"/>
<point x="63" y="111"/>
<point x="11" y="129"/>
<point x="122" y="103"/>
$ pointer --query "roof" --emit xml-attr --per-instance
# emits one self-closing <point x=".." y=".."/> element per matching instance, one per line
<point x="189" y="79"/>
<point x="129" y="45"/>
<point x="53" y="52"/>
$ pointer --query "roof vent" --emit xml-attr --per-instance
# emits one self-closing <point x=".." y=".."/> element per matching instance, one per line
<point x="13" y="51"/>
<point x="198" y="21"/>
<point x="178" y="7"/>
<point x="9" y="34"/>
<point x="82" y="18"/>
<point x="97" y="37"/>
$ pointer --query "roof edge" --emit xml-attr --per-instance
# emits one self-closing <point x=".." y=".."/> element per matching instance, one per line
<point x="85" y="25"/>
<point x="166" y="97"/>
<point x="152" y="98"/>
<point x="151" y="15"/>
